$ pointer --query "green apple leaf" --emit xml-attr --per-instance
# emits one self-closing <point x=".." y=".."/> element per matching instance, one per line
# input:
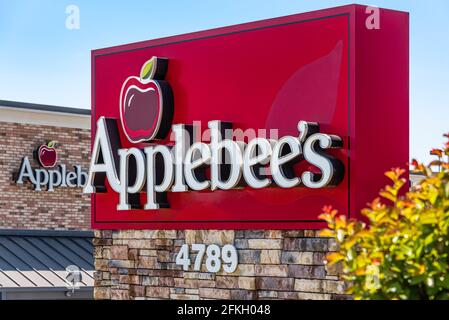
<point x="51" y="144"/>
<point x="147" y="71"/>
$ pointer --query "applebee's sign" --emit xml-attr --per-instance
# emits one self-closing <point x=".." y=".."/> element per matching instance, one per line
<point x="49" y="176"/>
<point x="177" y="142"/>
<point x="146" y="113"/>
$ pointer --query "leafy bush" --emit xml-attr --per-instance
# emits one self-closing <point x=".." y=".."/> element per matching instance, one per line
<point x="403" y="250"/>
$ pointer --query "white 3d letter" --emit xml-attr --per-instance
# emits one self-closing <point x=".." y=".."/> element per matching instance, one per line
<point x="124" y="175"/>
<point x="102" y="147"/>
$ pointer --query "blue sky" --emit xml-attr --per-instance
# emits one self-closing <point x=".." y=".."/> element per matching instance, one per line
<point x="42" y="61"/>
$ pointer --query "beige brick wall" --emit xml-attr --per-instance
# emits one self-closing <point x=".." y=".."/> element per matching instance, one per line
<point x="23" y="208"/>
<point x="273" y="264"/>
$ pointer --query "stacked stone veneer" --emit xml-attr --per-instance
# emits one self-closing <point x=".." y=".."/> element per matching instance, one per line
<point x="273" y="264"/>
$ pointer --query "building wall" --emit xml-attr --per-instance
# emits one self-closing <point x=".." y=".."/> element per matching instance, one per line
<point x="273" y="264"/>
<point x="23" y="208"/>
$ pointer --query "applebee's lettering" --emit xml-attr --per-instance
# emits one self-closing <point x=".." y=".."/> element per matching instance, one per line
<point x="233" y="164"/>
<point x="50" y="175"/>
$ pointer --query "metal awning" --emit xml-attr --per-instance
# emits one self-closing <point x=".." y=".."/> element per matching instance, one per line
<point x="40" y="259"/>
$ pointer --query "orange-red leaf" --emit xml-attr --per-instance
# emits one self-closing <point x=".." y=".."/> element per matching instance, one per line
<point x="436" y="152"/>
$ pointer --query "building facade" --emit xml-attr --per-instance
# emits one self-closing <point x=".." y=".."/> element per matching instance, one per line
<point x="42" y="231"/>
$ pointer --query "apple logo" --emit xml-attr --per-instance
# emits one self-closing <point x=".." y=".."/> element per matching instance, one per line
<point x="146" y="103"/>
<point x="46" y="155"/>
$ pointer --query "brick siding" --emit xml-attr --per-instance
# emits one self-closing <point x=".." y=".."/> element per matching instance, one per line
<point x="23" y="208"/>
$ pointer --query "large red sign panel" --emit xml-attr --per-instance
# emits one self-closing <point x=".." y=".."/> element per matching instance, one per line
<point x="323" y="68"/>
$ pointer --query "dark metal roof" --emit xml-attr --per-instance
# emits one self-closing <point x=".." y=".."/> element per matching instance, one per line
<point x="43" y="107"/>
<point x="38" y="259"/>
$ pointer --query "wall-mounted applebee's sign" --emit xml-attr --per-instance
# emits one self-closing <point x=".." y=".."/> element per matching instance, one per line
<point x="238" y="127"/>
<point x="49" y="175"/>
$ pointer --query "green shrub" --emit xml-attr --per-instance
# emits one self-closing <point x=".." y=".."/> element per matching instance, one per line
<point x="403" y="251"/>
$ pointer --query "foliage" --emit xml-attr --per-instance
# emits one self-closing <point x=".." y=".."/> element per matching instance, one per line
<point x="403" y="250"/>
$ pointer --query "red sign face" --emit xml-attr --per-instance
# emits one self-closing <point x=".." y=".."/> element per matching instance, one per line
<point x="266" y="75"/>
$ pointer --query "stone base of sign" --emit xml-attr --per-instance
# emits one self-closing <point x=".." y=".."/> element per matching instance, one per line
<point x="273" y="264"/>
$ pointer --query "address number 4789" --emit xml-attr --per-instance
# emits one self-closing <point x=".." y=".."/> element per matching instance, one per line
<point x="216" y="257"/>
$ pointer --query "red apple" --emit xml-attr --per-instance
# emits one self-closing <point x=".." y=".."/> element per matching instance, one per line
<point x="146" y="103"/>
<point x="47" y="155"/>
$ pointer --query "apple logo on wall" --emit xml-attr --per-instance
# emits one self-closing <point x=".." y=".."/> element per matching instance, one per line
<point x="47" y="155"/>
<point x="146" y="103"/>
